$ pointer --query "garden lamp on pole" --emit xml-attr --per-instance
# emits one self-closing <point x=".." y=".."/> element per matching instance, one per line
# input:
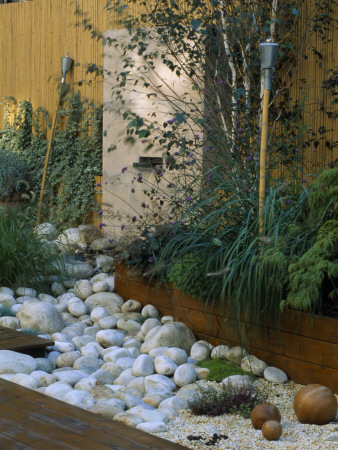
<point x="66" y="63"/>
<point x="268" y="52"/>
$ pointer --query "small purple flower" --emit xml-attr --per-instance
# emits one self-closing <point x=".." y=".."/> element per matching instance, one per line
<point x="288" y="201"/>
<point x="110" y="241"/>
<point x="189" y="198"/>
<point x="296" y="150"/>
<point x="143" y="205"/>
<point x="220" y="82"/>
<point x="239" y="130"/>
<point x="176" y="153"/>
<point x="164" y="197"/>
<point x="101" y="225"/>
<point x="181" y="223"/>
<point x="197" y="136"/>
<point x="171" y="121"/>
<point x="133" y="219"/>
<point x="249" y="158"/>
<point x="237" y="122"/>
<point x="191" y="155"/>
<point x="187" y="163"/>
<point x="139" y="179"/>
<point x="240" y="136"/>
<point x="98" y="184"/>
<point x="174" y="222"/>
<point x="209" y="177"/>
<point x="150" y="259"/>
<point x="304" y="180"/>
<point x="100" y="213"/>
<point x="123" y="227"/>
<point x="143" y="140"/>
<point x="124" y="169"/>
<point x="207" y="149"/>
<point x="157" y="128"/>
<point x="314" y="149"/>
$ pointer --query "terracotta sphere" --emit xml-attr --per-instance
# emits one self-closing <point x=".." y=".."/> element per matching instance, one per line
<point x="315" y="404"/>
<point x="264" y="412"/>
<point x="272" y="430"/>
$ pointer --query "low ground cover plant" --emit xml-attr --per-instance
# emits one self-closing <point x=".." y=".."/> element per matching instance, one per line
<point x="226" y="400"/>
<point x="220" y="369"/>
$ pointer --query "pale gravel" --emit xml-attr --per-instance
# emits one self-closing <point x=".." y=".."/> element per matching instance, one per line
<point x="242" y="435"/>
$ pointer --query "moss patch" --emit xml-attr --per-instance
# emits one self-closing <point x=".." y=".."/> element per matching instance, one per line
<point x="220" y="369"/>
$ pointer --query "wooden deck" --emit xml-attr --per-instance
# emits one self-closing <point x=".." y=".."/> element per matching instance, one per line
<point x="30" y="420"/>
<point x="21" y="342"/>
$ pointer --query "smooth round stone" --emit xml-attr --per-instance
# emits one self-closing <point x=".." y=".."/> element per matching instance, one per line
<point x="102" y="393"/>
<point x="153" y="400"/>
<point x="220" y="352"/>
<point x="76" y="307"/>
<point x="159" y="351"/>
<point x="143" y="366"/>
<point x="86" y="384"/>
<point x="132" y="343"/>
<point x="104" y="262"/>
<point x="88" y="233"/>
<point x="68" y="319"/>
<point x="48" y="299"/>
<point x="79" y="398"/>
<point x="26" y="298"/>
<point x="152" y="427"/>
<point x="184" y="374"/>
<point x="134" y="352"/>
<point x="167" y="319"/>
<point x="125" y="377"/>
<point x="92" y="330"/>
<point x="158" y="382"/>
<point x="129" y="326"/>
<point x="101" y="243"/>
<point x="125" y="363"/>
<point x="274" y="375"/>
<point x="58" y="390"/>
<point x="236" y="354"/>
<point x="202" y="373"/>
<point x="103" y="377"/>
<point x="67" y="359"/>
<point x="132" y="306"/>
<point x="164" y="365"/>
<point x="99" y="277"/>
<point x="79" y="270"/>
<point x="106" y="409"/>
<point x="6" y="290"/>
<point x="7" y="300"/>
<point x="253" y="364"/>
<point x="175" y="334"/>
<point x="46" y="230"/>
<point x="62" y="307"/>
<point x="83" y="289"/>
<point x="69" y="283"/>
<point x="109" y="300"/>
<point x="53" y="356"/>
<point x="9" y="322"/>
<point x="129" y="419"/>
<point x="90" y="349"/>
<point x="57" y="288"/>
<point x="108" y="338"/>
<point x="116" y="353"/>
<point x="86" y="362"/>
<point x="178" y="355"/>
<point x="13" y="362"/>
<point x="129" y="399"/>
<point x="137" y="383"/>
<point x="40" y="316"/>
<point x="176" y="403"/>
<point x="81" y="341"/>
<point x="107" y="322"/>
<point x="189" y="392"/>
<point x="150" y="311"/>
<point x="26" y="380"/>
<point x="148" y="325"/>
<point x="113" y="368"/>
<point x="21" y="291"/>
<point x="63" y="347"/>
<point x="98" y="313"/>
<point x="100" y="286"/>
<point x="15" y="308"/>
<point x="199" y="351"/>
<point x="72" y="331"/>
<point x="64" y="298"/>
<point x="63" y="337"/>
<point x="69" y="376"/>
<point x="170" y="412"/>
<point x="44" y="379"/>
<point x="237" y="381"/>
<point x="44" y="365"/>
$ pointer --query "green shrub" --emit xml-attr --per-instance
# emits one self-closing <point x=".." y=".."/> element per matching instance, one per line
<point x="13" y="172"/>
<point x="228" y="400"/>
<point x="25" y="259"/>
<point x="220" y="369"/>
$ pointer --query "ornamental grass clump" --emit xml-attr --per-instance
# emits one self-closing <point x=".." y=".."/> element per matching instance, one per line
<point x="227" y="400"/>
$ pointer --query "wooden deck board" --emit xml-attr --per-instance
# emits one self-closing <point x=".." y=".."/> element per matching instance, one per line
<point x="29" y="419"/>
<point x="18" y="341"/>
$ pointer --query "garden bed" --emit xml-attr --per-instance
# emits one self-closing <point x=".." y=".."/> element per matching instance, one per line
<point x="306" y="347"/>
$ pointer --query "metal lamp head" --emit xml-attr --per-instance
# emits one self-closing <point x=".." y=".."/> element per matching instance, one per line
<point x="268" y="51"/>
<point x="66" y="63"/>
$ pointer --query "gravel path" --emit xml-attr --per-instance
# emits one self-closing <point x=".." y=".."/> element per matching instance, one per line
<point x="240" y="433"/>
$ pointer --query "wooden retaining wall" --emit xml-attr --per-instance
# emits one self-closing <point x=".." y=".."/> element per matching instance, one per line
<point x="306" y="347"/>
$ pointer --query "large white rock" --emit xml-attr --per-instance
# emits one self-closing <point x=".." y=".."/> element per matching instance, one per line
<point x="88" y="233"/>
<point x="253" y="364"/>
<point x="178" y="355"/>
<point x="143" y="366"/>
<point x="13" y="362"/>
<point x="274" y="375"/>
<point x="40" y="316"/>
<point x="70" y="237"/>
<point x="58" y="390"/>
<point x="165" y="366"/>
<point x="108" y="338"/>
<point x="79" y="270"/>
<point x="113" y="368"/>
<point x="107" y="322"/>
<point x="63" y="347"/>
<point x="90" y="349"/>
<point x="22" y="291"/>
<point x="25" y="380"/>
<point x="67" y="359"/>
<point x="115" y="354"/>
<point x="109" y="300"/>
<point x="104" y="262"/>
<point x="47" y="231"/>
<point x="48" y="299"/>
<point x="70" y="377"/>
<point x="175" y="334"/>
<point x="237" y="381"/>
<point x="158" y="383"/>
<point x="150" y="311"/>
<point x="9" y="322"/>
<point x="79" y="398"/>
<point x="87" y="384"/>
<point x="149" y="415"/>
<point x="45" y="379"/>
<point x="87" y="362"/>
<point x="148" y="325"/>
<point x="200" y="351"/>
<point x="103" y="377"/>
<point x="152" y="427"/>
<point x="7" y="300"/>
<point x="100" y="286"/>
<point x="83" y="289"/>
<point x="6" y="290"/>
<point x="220" y="352"/>
<point x="132" y="306"/>
<point x="129" y="400"/>
<point x="132" y="420"/>
<point x="99" y="313"/>
<point x="129" y="326"/>
<point x="102" y="244"/>
<point x="236" y="354"/>
<point x="176" y="403"/>
<point x="106" y="408"/>
<point x="77" y="307"/>
<point x="184" y="374"/>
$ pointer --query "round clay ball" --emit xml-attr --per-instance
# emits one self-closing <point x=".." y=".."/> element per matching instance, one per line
<point x="272" y="430"/>
<point x="264" y="412"/>
<point x="315" y="404"/>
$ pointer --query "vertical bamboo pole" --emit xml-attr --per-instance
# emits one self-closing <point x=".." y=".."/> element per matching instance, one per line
<point x="262" y="162"/>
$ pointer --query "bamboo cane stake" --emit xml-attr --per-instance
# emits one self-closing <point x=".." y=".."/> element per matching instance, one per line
<point x="262" y="162"/>
<point x="47" y="158"/>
